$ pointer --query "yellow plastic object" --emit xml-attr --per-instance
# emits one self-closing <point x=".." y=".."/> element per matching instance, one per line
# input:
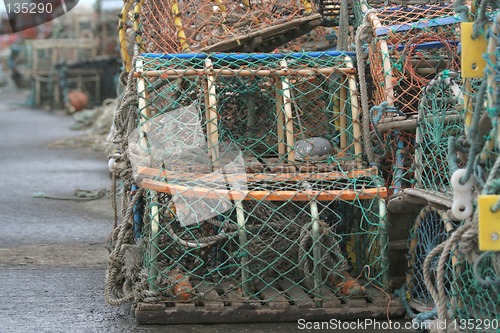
<point x="181" y="35"/>
<point x="221" y="6"/>
<point x="122" y="36"/>
<point x="137" y="14"/>
<point x="308" y="8"/>
<point x="473" y="63"/>
<point x="489" y="223"/>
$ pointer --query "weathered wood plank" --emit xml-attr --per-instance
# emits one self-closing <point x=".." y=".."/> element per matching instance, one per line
<point x="433" y="198"/>
<point x="211" y="300"/>
<point x="297" y="294"/>
<point x="267" y="35"/>
<point x="354" y="302"/>
<point x="278" y="309"/>
<point x="329" y="299"/>
<point x="231" y="294"/>
<point x="379" y="298"/>
<point x="273" y="297"/>
<point x="402" y="203"/>
<point x="151" y="306"/>
<point x="200" y="315"/>
<point x="235" y="299"/>
<point x="189" y="307"/>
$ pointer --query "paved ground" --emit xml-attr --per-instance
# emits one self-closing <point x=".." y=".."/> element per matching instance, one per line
<point x="52" y="253"/>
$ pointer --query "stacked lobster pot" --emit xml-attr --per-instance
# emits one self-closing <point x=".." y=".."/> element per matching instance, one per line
<point x="247" y="194"/>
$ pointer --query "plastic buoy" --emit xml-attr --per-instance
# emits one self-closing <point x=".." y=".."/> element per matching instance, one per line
<point x="182" y="288"/>
<point x="77" y="100"/>
<point x="312" y="147"/>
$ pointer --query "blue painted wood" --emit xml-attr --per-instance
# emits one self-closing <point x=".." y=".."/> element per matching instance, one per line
<point x="423" y="24"/>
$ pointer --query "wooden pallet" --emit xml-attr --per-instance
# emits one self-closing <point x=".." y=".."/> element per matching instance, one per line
<point x="226" y="306"/>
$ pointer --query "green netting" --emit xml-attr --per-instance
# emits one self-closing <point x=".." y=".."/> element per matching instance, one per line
<point x="256" y="186"/>
<point x="279" y="111"/>
<point x="263" y="247"/>
<point x="492" y="73"/>
<point x="474" y="296"/>
<point x="469" y="295"/>
<point x="431" y="228"/>
<point x="440" y="117"/>
<point x="467" y="288"/>
<point x="477" y="282"/>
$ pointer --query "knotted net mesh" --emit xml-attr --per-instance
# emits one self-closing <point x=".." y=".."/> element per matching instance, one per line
<point x="477" y="276"/>
<point x="411" y="45"/>
<point x="466" y="291"/>
<point x="441" y="114"/>
<point x="219" y="26"/>
<point x="432" y="227"/>
<point x="256" y="186"/>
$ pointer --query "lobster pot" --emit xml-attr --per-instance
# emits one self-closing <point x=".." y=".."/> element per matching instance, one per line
<point x="476" y="294"/>
<point x="468" y="284"/>
<point x="203" y="25"/>
<point x="432" y="227"/>
<point x="220" y="26"/>
<point x="306" y="248"/>
<point x="45" y="55"/>
<point x="295" y="112"/>
<point x="257" y="196"/>
<point x="446" y="109"/>
<point x="412" y="44"/>
<point x="441" y="116"/>
<point x="86" y="80"/>
<point x="444" y="112"/>
<point x="470" y="293"/>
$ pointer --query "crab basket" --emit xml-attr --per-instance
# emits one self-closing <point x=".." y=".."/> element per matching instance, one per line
<point x="216" y="26"/>
<point x="476" y="293"/>
<point x="411" y="45"/>
<point x="258" y="203"/>
<point x="441" y="117"/>
<point x="464" y="276"/>
<point x="432" y="227"/>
